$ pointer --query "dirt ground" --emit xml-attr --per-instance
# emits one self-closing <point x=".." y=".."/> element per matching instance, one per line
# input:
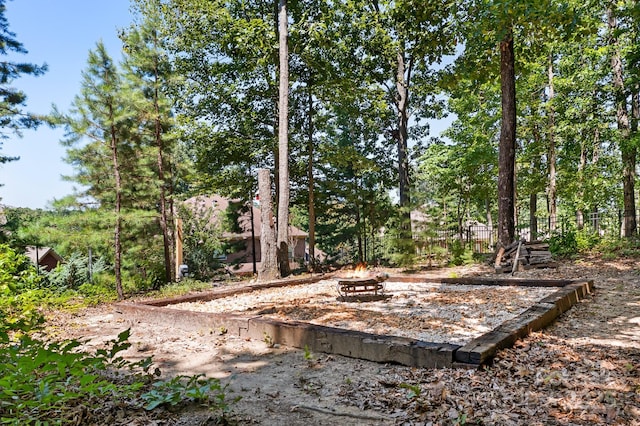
<point x="582" y="370"/>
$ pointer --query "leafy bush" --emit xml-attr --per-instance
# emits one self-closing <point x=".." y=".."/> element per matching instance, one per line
<point x="460" y="254"/>
<point x="54" y="383"/>
<point x="197" y="389"/>
<point x="16" y="272"/>
<point x="564" y="244"/>
<point x="73" y="273"/>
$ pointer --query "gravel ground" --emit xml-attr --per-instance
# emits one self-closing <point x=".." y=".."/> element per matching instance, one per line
<point x="439" y="313"/>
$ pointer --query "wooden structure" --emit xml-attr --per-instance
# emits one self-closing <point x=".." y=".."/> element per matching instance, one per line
<point x="521" y="255"/>
<point x="366" y="285"/>
<point x="44" y="257"/>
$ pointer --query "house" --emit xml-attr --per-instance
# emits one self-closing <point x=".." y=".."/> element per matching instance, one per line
<point x="247" y="226"/>
<point x="44" y="257"/>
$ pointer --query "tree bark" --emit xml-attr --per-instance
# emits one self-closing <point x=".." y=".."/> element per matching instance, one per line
<point x="552" y="189"/>
<point x="581" y="170"/>
<point x="165" y="226"/>
<point x="268" y="257"/>
<point x="283" y="143"/>
<point x="311" y="189"/>
<point x="533" y="216"/>
<point x="627" y="150"/>
<point x="506" y="161"/>
<point x="117" y="243"/>
<point x="402" y="87"/>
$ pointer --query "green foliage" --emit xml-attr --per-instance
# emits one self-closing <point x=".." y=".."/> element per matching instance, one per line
<point x="460" y="253"/>
<point x="614" y="247"/>
<point x="46" y="382"/>
<point x="401" y="249"/>
<point x="16" y="272"/>
<point x="570" y="242"/>
<point x="73" y="273"/>
<point x="307" y="353"/>
<point x="564" y="243"/>
<point x="202" y="239"/>
<point x="194" y="389"/>
<point x="414" y="391"/>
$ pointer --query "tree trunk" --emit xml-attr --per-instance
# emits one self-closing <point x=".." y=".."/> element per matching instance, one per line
<point x="552" y="189"/>
<point x="506" y="161"/>
<point x="283" y="143"/>
<point x="581" y="170"/>
<point x="533" y="219"/>
<point x="312" y="208"/>
<point x="489" y="221"/>
<point x="117" y="243"/>
<point x="627" y="150"/>
<point x="402" y="87"/>
<point x="268" y="260"/>
<point x="165" y="226"/>
<point x="402" y="136"/>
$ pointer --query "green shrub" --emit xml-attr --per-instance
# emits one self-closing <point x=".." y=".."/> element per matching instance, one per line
<point x="564" y="244"/>
<point x="16" y="272"/>
<point x="460" y="254"/>
<point x="73" y="273"/>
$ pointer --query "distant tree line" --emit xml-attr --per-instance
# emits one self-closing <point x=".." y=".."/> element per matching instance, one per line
<point x="544" y="95"/>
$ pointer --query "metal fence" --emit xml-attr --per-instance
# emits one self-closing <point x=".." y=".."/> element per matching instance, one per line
<point x="481" y="238"/>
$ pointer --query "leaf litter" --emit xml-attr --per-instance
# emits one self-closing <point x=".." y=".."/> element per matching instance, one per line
<point x="582" y="370"/>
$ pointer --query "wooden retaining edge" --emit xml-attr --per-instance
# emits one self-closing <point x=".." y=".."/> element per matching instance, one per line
<point x="482" y="349"/>
<point x="225" y="292"/>
<point x="521" y="282"/>
<point x="371" y="347"/>
<point x="355" y="344"/>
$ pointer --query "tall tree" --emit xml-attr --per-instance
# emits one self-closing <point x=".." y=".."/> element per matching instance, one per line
<point x="283" y="140"/>
<point x="13" y="118"/>
<point x="627" y="145"/>
<point x="149" y="73"/>
<point x="99" y="115"/>
<point x="507" y="148"/>
<point x="485" y="26"/>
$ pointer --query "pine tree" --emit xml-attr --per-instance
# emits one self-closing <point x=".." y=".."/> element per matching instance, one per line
<point x="149" y="74"/>
<point x="12" y="101"/>
<point x="101" y="116"/>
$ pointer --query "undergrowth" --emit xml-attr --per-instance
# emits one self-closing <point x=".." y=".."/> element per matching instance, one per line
<point x="46" y="382"/>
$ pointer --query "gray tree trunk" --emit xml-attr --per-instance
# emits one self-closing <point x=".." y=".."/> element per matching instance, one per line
<point x="283" y="143"/>
<point x="269" y="262"/>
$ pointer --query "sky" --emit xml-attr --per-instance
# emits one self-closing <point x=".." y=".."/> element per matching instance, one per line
<point x="59" y="33"/>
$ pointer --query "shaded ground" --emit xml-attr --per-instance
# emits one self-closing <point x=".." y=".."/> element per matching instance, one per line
<point x="583" y="370"/>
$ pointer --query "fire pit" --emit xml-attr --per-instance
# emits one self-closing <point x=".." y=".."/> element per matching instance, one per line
<point x="361" y="282"/>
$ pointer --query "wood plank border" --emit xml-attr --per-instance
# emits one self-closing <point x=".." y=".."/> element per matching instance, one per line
<point x="371" y="347"/>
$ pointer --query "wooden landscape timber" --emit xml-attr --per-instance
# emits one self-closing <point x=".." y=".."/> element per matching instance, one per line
<point x="521" y="255"/>
<point x="363" y="345"/>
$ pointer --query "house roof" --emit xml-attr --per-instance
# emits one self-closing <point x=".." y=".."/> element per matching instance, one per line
<point x="42" y="252"/>
<point x="220" y="204"/>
